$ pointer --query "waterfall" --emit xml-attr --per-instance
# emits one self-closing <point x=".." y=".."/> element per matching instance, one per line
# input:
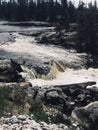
<point x="58" y="65"/>
<point x="54" y="66"/>
<point x="28" y="73"/>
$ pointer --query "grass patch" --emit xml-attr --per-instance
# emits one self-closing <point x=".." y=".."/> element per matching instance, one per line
<point x="38" y="112"/>
<point x="48" y="115"/>
<point x="4" y="92"/>
<point x="40" y="115"/>
<point x="13" y="101"/>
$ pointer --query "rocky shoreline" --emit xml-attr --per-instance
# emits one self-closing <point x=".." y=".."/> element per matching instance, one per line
<point x="26" y="122"/>
<point x="65" y="105"/>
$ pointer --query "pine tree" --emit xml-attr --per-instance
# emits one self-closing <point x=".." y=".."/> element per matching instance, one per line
<point x="87" y="31"/>
<point x="72" y="12"/>
<point x="65" y="14"/>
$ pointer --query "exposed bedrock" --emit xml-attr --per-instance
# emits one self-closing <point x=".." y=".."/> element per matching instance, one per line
<point x="9" y="71"/>
<point x="66" y="97"/>
<point x="75" y="103"/>
<point x="56" y="96"/>
<point x="86" y="117"/>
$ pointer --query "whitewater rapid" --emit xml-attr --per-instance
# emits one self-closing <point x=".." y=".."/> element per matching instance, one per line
<point x="69" y="77"/>
<point x="25" y="45"/>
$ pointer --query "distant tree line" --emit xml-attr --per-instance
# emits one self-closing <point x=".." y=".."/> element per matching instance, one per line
<point x="43" y="10"/>
<point x="57" y="11"/>
<point x="87" y="19"/>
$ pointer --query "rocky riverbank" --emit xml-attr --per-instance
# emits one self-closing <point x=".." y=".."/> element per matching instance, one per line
<point x="25" y="122"/>
<point x="45" y="87"/>
<point x="65" y="105"/>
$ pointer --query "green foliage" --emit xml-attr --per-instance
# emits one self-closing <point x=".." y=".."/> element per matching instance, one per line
<point x="4" y="92"/>
<point x="40" y="115"/>
<point x="73" y="128"/>
<point x="38" y="112"/>
<point x="62" y="12"/>
<point x="13" y="102"/>
<point x="24" y="10"/>
<point x="49" y="116"/>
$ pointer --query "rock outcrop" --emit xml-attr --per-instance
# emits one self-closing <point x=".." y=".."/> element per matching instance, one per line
<point x="68" y="97"/>
<point x="9" y="71"/>
<point x="86" y="117"/>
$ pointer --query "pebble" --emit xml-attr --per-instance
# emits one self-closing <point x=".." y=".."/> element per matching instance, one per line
<point x="24" y="122"/>
<point x="22" y="117"/>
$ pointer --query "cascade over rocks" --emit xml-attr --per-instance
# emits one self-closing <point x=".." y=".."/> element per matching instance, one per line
<point x="47" y="70"/>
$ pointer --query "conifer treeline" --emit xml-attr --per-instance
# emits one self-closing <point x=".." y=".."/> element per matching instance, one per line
<point x="57" y="11"/>
<point x="44" y="10"/>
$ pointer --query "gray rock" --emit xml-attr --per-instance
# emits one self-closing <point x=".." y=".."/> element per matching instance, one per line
<point x="42" y="70"/>
<point x="86" y="117"/>
<point x="9" y="71"/>
<point x="22" y="117"/>
<point x="55" y="96"/>
<point x="14" y="119"/>
<point x="29" y="125"/>
<point x="6" y="121"/>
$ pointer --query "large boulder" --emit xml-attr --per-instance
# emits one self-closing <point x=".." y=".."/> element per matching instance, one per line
<point x="86" y="117"/>
<point x="55" y="96"/>
<point x="67" y="97"/>
<point x="9" y="71"/>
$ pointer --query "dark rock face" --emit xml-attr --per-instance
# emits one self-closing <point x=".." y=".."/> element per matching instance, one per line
<point x="87" y="116"/>
<point x="70" y="100"/>
<point x="60" y="37"/>
<point x="9" y="71"/>
<point x="31" y="23"/>
<point x="68" y="97"/>
<point x="55" y="97"/>
<point x="42" y="70"/>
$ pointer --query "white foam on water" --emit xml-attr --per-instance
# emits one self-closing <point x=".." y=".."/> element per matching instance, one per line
<point x="69" y="77"/>
<point x="27" y="45"/>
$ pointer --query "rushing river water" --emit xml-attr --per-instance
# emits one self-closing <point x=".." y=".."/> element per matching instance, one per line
<point x="16" y="46"/>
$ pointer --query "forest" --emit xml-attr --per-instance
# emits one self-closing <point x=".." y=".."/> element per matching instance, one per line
<point x="61" y="13"/>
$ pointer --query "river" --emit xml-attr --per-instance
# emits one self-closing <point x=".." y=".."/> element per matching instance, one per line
<point x="14" y="45"/>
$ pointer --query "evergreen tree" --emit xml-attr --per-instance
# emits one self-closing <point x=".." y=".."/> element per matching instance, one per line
<point x="87" y="30"/>
<point x="65" y="14"/>
<point x="31" y="10"/>
<point x="22" y="10"/>
<point x="72" y="12"/>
